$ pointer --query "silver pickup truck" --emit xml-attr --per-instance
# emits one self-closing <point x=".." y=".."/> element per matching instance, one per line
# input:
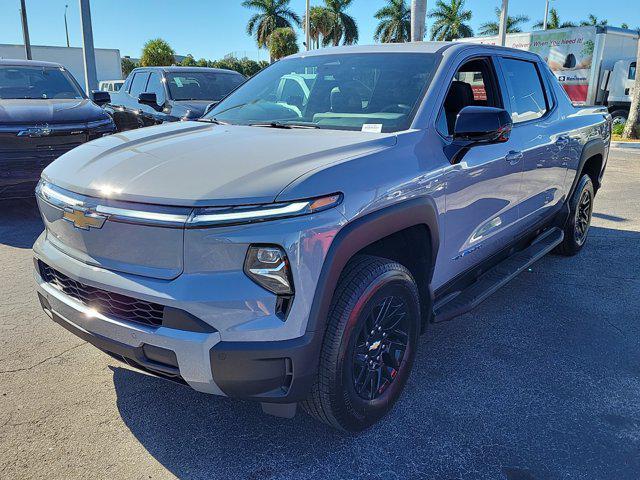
<point x="291" y="246"/>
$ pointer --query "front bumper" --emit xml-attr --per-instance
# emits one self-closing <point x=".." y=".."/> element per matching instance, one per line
<point x="250" y="352"/>
<point x="276" y="371"/>
<point x="128" y="340"/>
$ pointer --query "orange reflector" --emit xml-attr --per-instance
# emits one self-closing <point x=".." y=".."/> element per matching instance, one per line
<point x="324" y="202"/>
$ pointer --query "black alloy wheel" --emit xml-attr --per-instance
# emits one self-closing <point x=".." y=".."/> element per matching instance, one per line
<point x="380" y="347"/>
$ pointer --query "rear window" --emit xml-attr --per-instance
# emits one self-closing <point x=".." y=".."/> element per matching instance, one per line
<point x="526" y="92"/>
<point x="37" y="83"/>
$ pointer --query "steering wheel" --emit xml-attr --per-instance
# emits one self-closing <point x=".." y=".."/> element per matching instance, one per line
<point x="396" y="108"/>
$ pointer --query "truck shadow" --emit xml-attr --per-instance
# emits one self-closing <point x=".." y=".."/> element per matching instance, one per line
<point x="20" y="223"/>
<point x="493" y="391"/>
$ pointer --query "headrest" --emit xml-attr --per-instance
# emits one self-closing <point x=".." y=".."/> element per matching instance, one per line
<point x="460" y="95"/>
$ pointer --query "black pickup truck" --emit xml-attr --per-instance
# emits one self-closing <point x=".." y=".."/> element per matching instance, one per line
<point x="153" y="95"/>
<point x="43" y="114"/>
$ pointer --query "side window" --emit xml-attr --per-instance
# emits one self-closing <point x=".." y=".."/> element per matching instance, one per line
<point x="473" y="84"/>
<point x="632" y="71"/>
<point x="138" y="83"/>
<point x="528" y="101"/>
<point x="155" y="86"/>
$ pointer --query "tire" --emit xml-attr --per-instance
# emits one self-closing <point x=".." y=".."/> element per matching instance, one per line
<point x="576" y="228"/>
<point x="350" y="392"/>
<point x="619" y="117"/>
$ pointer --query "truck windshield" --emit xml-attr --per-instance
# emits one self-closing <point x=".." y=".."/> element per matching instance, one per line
<point x="210" y="86"/>
<point x="37" y="83"/>
<point x="376" y="92"/>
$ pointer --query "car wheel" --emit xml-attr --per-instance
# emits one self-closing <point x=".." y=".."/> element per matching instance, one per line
<point x="577" y="226"/>
<point x="369" y="345"/>
<point x="619" y="117"/>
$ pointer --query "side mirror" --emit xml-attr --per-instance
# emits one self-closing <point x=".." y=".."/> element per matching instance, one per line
<point x="149" y="99"/>
<point x="100" y="98"/>
<point x="478" y="126"/>
<point x="210" y="107"/>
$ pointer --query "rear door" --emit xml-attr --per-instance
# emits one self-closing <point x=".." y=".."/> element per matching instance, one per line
<point x="483" y="190"/>
<point x="537" y="132"/>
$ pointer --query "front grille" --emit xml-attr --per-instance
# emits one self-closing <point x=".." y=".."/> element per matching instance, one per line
<point x="109" y="304"/>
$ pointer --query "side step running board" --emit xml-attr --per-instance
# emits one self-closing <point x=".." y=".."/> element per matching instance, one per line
<point x="497" y="277"/>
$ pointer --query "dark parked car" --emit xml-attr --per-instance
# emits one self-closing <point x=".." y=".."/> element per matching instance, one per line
<point x="43" y="114"/>
<point x="153" y="95"/>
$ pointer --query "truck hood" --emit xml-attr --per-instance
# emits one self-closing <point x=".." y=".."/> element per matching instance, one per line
<point x="51" y="111"/>
<point x="195" y="108"/>
<point x="202" y="164"/>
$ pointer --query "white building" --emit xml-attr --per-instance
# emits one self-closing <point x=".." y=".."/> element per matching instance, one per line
<point x="107" y="59"/>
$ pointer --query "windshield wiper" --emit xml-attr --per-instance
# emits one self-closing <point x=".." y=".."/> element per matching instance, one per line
<point x="287" y="126"/>
<point x="213" y="120"/>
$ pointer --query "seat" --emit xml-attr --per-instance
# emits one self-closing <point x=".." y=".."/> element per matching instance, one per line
<point x="345" y="99"/>
<point x="460" y="95"/>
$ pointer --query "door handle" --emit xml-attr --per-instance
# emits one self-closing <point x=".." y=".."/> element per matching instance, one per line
<point x="513" y="157"/>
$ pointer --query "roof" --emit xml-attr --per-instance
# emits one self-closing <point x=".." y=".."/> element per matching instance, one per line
<point x="409" y="47"/>
<point x="188" y="69"/>
<point x="28" y="63"/>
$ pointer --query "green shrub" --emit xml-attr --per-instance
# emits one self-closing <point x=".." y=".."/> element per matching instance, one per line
<point x="617" y="129"/>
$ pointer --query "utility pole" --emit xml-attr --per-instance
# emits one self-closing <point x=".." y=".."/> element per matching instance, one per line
<point x="25" y="30"/>
<point x="66" y="27"/>
<point x="546" y="15"/>
<point x="90" y="77"/>
<point x="307" y="25"/>
<point x="418" y="15"/>
<point x="502" y="34"/>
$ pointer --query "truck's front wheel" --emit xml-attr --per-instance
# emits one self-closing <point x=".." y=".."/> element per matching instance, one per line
<point x="369" y="344"/>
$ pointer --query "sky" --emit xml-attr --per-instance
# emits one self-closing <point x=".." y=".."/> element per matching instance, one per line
<point x="213" y="28"/>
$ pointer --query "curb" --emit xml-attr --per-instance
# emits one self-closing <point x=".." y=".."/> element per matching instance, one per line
<point x="633" y="145"/>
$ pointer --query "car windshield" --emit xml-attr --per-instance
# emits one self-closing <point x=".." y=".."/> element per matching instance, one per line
<point x="376" y="92"/>
<point x="210" y="86"/>
<point x="37" y="83"/>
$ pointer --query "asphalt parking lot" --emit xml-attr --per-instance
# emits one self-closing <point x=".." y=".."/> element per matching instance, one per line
<point x="542" y="381"/>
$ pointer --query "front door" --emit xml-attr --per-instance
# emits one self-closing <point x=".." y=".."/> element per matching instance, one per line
<point x="482" y="190"/>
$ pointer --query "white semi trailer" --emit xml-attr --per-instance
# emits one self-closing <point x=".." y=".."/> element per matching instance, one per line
<point x="595" y="65"/>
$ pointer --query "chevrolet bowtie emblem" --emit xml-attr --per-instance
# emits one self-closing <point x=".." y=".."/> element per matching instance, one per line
<point x="84" y="219"/>
<point x="37" y="131"/>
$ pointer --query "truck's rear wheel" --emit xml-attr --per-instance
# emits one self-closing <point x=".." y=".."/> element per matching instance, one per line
<point x="619" y="117"/>
<point x="577" y="226"/>
<point x="369" y="345"/>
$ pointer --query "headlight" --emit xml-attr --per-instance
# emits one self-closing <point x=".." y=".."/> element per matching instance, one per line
<point x="268" y="266"/>
<point x="260" y="213"/>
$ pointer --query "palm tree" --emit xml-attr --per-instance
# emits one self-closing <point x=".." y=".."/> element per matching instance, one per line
<point x="513" y="24"/>
<point x="343" y="26"/>
<point x="320" y="21"/>
<point x="283" y="42"/>
<point x="273" y="14"/>
<point x="592" y="20"/>
<point x="395" y="23"/>
<point x="553" y="22"/>
<point x="450" y="21"/>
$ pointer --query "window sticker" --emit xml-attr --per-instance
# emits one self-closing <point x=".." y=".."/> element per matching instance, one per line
<point x="372" y="127"/>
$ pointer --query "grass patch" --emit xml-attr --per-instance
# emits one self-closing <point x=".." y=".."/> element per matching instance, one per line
<point x="618" y="138"/>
